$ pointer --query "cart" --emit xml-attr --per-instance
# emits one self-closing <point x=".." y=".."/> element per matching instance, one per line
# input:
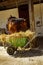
<point x="14" y="42"/>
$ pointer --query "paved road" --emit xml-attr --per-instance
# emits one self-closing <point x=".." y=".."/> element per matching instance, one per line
<point x="21" y="58"/>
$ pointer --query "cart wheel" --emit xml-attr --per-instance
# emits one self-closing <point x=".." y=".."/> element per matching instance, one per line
<point x="10" y="50"/>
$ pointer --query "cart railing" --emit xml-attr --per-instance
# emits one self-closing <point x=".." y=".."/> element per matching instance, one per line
<point x="30" y="40"/>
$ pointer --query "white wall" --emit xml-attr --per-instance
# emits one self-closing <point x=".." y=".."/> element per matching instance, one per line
<point x="4" y="15"/>
<point x="38" y="16"/>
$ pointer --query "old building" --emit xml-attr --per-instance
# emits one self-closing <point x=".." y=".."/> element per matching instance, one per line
<point x="31" y="10"/>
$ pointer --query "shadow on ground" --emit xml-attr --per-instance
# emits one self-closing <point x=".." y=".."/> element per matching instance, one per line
<point x="28" y="53"/>
<point x="32" y="53"/>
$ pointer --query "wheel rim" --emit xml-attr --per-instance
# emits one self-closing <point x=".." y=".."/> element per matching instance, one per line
<point x="10" y="51"/>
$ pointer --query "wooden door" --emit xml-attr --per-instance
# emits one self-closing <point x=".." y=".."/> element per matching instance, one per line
<point x="24" y="13"/>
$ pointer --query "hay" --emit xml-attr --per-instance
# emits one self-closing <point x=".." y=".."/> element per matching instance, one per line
<point x="28" y="33"/>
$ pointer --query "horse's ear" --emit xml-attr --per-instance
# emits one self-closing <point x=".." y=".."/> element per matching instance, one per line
<point x="10" y="15"/>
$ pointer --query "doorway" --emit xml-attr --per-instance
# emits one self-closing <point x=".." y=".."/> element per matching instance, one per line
<point x="24" y="13"/>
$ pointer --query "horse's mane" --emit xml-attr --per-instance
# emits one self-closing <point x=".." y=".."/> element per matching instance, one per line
<point x="11" y="18"/>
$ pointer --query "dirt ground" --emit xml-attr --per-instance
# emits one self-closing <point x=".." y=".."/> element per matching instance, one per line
<point x="32" y="57"/>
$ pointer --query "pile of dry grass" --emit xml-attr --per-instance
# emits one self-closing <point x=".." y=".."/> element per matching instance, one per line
<point x="28" y="33"/>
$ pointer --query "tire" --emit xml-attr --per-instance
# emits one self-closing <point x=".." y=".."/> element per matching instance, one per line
<point x="10" y="50"/>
